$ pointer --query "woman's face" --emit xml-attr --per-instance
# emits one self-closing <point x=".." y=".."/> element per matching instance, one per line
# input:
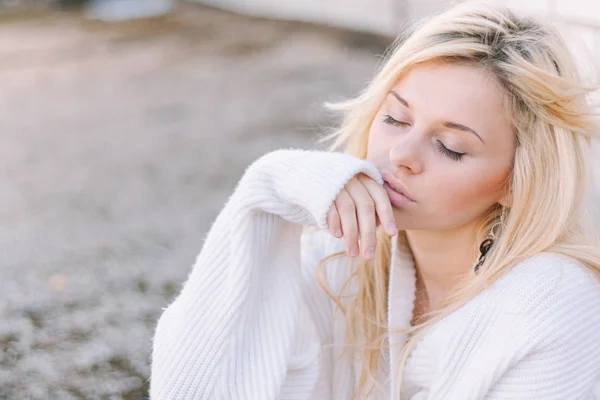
<point x="442" y="133"/>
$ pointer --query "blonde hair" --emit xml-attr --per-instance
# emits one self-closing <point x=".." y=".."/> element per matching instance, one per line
<point x="553" y="125"/>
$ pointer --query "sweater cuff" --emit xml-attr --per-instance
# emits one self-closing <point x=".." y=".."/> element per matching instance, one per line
<point x="313" y="179"/>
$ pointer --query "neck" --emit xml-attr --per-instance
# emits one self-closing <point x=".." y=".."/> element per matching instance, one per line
<point x="441" y="259"/>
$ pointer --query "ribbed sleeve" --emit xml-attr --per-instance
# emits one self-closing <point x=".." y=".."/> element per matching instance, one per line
<point x="246" y="325"/>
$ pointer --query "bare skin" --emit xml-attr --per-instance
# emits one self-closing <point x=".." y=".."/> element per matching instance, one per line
<point x="441" y="136"/>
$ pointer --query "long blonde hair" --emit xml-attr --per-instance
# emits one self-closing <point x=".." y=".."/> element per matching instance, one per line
<point x="553" y="125"/>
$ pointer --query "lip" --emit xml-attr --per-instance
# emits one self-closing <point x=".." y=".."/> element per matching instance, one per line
<point x="396" y="199"/>
<point x="387" y="177"/>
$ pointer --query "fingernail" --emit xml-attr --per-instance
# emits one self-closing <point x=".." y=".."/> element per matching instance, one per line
<point x="391" y="228"/>
<point x="370" y="253"/>
<point x="338" y="232"/>
<point x="354" y="251"/>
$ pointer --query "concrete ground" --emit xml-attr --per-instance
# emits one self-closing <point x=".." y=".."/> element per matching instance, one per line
<point x="119" y="145"/>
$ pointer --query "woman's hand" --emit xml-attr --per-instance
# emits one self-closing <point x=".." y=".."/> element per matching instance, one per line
<point x="359" y="208"/>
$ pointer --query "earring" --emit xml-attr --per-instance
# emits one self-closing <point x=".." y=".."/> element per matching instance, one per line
<point x="487" y="244"/>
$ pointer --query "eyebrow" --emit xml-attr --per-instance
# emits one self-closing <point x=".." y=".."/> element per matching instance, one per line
<point x="448" y="124"/>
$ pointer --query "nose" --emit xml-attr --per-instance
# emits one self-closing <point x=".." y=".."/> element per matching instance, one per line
<point x="407" y="152"/>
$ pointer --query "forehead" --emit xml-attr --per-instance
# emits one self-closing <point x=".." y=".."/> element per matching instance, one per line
<point x="458" y="93"/>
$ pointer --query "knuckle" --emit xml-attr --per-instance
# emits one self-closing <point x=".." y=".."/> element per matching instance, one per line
<point x="353" y="180"/>
<point x="363" y="177"/>
<point x="383" y="210"/>
<point x="367" y="204"/>
<point x="351" y="233"/>
<point x="343" y="194"/>
<point x="368" y="212"/>
<point x="347" y="206"/>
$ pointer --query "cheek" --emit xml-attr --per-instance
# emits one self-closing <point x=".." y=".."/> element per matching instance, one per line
<point x="380" y="138"/>
<point x="473" y="192"/>
<point x="376" y="143"/>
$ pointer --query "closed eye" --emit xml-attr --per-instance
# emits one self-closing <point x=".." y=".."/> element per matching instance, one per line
<point x="441" y="148"/>
<point x="391" y="121"/>
<point x="452" y="154"/>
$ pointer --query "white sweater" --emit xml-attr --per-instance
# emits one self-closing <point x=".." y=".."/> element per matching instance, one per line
<point x="251" y="322"/>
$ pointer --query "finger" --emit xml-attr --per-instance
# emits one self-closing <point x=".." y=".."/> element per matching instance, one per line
<point x="333" y="221"/>
<point x="383" y="206"/>
<point x="365" y="211"/>
<point x="347" y="212"/>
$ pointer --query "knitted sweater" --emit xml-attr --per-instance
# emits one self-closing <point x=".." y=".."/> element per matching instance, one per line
<point x="251" y="322"/>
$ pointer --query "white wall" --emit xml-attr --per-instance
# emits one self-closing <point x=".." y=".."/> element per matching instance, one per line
<point x="377" y="16"/>
<point x="580" y="19"/>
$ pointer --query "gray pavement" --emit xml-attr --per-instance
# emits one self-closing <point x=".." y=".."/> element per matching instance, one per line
<point x="119" y="145"/>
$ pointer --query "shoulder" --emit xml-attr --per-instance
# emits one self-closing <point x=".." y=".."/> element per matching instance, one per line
<point x="548" y="275"/>
<point x="551" y="290"/>
<point x="547" y="301"/>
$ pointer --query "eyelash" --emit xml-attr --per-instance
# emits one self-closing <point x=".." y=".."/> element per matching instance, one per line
<point x="389" y="120"/>
<point x="441" y="148"/>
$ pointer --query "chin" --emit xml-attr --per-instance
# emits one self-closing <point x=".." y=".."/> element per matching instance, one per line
<point x="403" y="221"/>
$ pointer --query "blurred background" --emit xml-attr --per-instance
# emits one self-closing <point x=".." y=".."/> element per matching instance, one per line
<point x="126" y="125"/>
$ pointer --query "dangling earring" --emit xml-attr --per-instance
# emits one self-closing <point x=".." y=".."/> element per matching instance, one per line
<point x="487" y="244"/>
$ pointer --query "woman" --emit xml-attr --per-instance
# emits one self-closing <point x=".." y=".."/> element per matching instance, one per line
<point x="448" y="253"/>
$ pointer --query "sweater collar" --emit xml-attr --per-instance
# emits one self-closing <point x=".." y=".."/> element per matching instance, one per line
<point x="401" y="297"/>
